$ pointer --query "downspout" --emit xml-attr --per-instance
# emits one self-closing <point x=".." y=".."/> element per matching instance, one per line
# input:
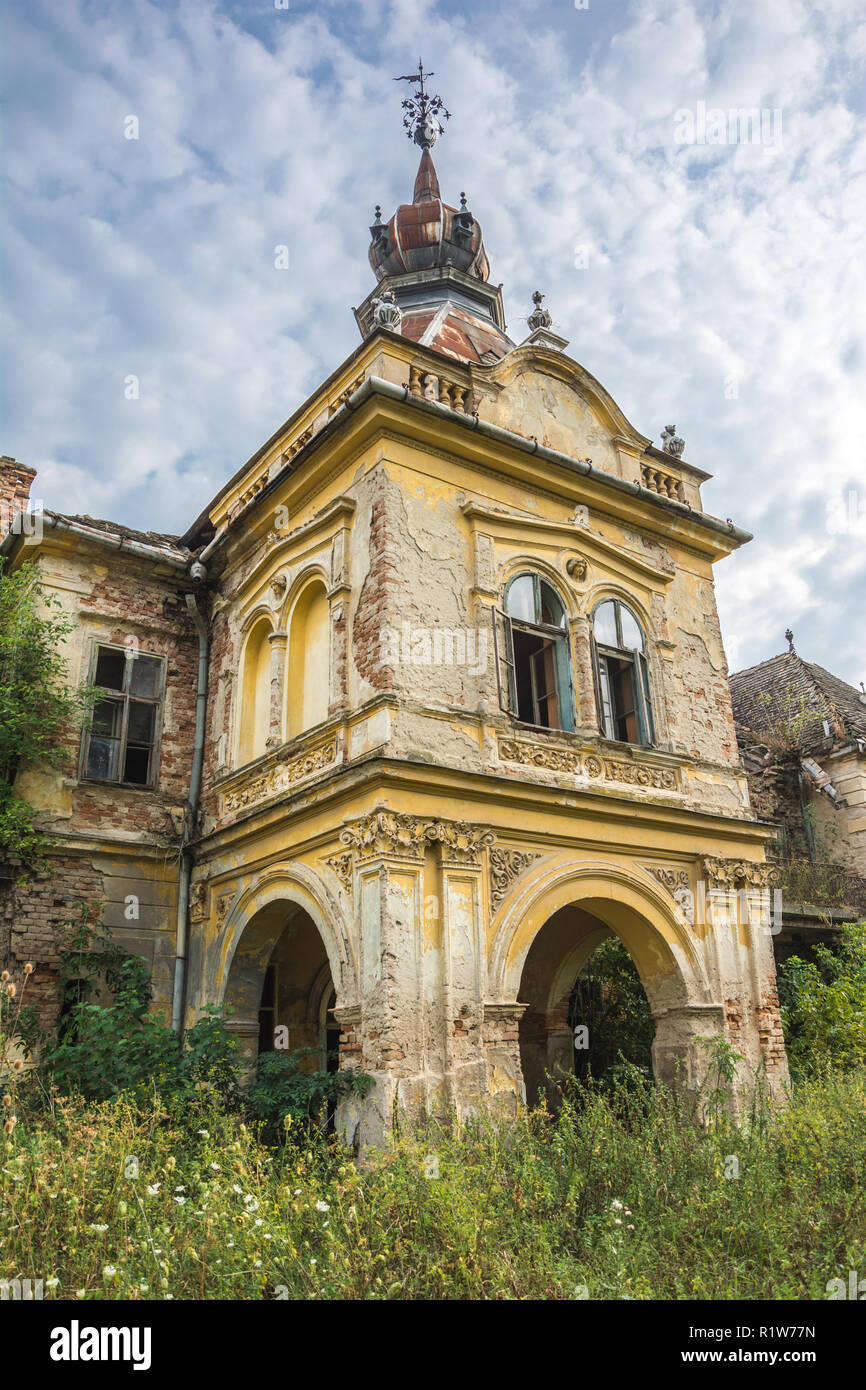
<point x="182" y="932"/>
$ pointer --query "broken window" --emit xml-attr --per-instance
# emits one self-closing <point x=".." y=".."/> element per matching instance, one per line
<point x="532" y="663"/>
<point x="621" y="674"/>
<point x="121" y="742"/>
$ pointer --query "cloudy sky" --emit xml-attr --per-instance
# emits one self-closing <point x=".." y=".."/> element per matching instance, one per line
<point x="712" y="283"/>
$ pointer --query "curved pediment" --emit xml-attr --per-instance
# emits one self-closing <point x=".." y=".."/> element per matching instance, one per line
<point x="548" y="396"/>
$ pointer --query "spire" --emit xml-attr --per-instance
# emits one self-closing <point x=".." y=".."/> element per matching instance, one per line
<point x="427" y="182"/>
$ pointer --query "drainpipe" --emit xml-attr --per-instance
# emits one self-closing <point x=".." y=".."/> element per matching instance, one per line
<point x="191" y="811"/>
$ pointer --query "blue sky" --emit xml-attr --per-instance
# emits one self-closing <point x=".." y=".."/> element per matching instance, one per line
<point x="717" y="286"/>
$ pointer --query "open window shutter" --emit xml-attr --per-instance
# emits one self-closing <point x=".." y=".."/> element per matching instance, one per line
<point x="565" y="682"/>
<point x="503" y="651"/>
<point x="641" y="684"/>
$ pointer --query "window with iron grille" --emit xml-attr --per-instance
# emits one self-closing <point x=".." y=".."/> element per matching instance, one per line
<point x="121" y="743"/>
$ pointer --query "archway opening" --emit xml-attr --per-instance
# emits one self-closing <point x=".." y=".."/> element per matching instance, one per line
<point x="281" y="990"/>
<point x="586" y="1003"/>
<point x="609" y="1015"/>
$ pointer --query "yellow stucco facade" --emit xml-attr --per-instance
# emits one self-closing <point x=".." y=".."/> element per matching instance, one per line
<point x="457" y="862"/>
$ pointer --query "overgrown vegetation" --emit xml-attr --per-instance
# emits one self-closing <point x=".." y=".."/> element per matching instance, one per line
<point x="823" y="1004"/>
<point x="620" y="1195"/>
<point x="609" y="1001"/>
<point x="181" y="1190"/>
<point x="36" y="704"/>
<point x="109" y="1044"/>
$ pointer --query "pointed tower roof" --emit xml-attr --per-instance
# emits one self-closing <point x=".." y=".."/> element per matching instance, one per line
<point x="427" y="182"/>
<point x="430" y="261"/>
<point x="428" y="233"/>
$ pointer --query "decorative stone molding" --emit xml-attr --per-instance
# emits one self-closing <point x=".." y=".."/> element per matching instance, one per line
<point x="461" y="842"/>
<point x="281" y="776"/>
<point x="395" y="834"/>
<point x="223" y="902"/>
<point x="739" y="873"/>
<point x="670" y="878"/>
<point x="198" y="901"/>
<point x="554" y="758"/>
<point x="343" y="866"/>
<point x="505" y="866"/>
<point x="386" y="833"/>
<point x="512" y="750"/>
<point x="436" y="388"/>
<point x="576" y="567"/>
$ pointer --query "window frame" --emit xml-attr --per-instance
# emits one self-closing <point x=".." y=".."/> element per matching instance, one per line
<point x="640" y="676"/>
<point x="504" y="655"/>
<point x="124" y="697"/>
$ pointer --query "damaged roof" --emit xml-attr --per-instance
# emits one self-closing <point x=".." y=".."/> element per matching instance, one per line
<point x="789" y="697"/>
<point x="162" y="539"/>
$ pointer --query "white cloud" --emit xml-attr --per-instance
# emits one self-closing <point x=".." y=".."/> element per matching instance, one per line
<point x="155" y="257"/>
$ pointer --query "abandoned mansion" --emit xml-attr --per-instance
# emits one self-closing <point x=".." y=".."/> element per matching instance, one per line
<point x="428" y="701"/>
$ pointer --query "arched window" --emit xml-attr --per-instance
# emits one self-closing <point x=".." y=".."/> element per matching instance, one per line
<point x="255" y="712"/>
<point x="309" y="661"/>
<point x="622" y="674"/>
<point x="532" y="662"/>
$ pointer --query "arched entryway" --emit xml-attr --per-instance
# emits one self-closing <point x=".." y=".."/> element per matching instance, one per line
<point x="575" y="978"/>
<point x="550" y="927"/>
<point x="280" y="988"/>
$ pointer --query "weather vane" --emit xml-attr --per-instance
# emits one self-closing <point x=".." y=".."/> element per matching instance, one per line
<point x="425" y="114"/>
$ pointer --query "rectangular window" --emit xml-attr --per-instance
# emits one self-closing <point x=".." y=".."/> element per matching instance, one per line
<point x="623" y="687"/>
<point x="122" y="741"/>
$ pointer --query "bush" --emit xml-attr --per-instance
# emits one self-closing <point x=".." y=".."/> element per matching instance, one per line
<point x="285" y="1085"/>
<point x="823" y="1005"/>
<point x="620" y="1195"/>
<point x="610" y="1001"/>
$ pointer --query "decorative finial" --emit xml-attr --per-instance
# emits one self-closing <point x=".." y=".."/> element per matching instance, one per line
<point x="463" y="207"/>
<point x="789" y="638"/>
<point x="378" y="213"/>
<point x="424" y="113"/>
<point x="539" y="318"/>
<point x="671" y="442"/>
<point x="387" y="312"/>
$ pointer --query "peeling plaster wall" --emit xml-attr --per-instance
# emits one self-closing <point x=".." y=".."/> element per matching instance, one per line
<point x="117" y="846"/>
<point x="411" y="825"/>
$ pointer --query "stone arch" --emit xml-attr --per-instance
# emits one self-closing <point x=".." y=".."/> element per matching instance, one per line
<point x="309" y="571"/>
<point x="528" y="563"/>
<point x="608" y="588"/>
<point x="549" y="926"/>
<point x="254" y="924"/>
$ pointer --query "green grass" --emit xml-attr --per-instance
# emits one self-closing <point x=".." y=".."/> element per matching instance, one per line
<point x="526" y="1211"/>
